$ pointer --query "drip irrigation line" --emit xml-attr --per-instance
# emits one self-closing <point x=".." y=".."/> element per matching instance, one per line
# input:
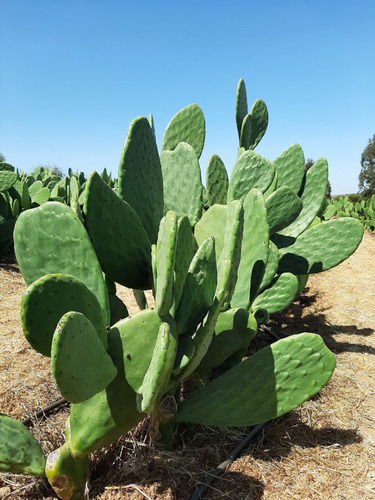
<point x="44" y="412"/>
<point x="268" y="330"/>
<point x="221" y="468"/>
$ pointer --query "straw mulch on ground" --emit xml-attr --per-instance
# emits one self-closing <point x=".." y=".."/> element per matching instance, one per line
<point x="323" y="450"/>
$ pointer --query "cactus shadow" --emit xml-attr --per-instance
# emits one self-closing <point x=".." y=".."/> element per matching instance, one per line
<point x="295" y="320"/>
<point x="284" y="434"/>
<point x="234" y="485"/>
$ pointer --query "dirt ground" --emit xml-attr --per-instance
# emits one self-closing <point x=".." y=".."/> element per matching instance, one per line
<point x="323" y="450"/>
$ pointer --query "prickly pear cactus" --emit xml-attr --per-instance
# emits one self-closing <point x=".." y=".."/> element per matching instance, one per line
<point x="218" y="260"/>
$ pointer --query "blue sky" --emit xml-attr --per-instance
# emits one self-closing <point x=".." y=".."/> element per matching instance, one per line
<point x="76" y="72"/>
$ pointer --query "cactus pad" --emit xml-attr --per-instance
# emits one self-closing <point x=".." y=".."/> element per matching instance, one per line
<point x="283" y="207"/>
<point x="140" y="180"/>
<point x="233" y="331"/>
<point x="80" y="364"/>
<point x="321" y="247"/>
<point x="273" y="381"/>
<point x="199" y="288"/>
<point x="117" y="234"/>
<point x="254" y="250"/>
<point x="182" y="184"/>
<point x="157" y="376"/>
<point x="20" y="452"/>
<point x="188" y="125"/>
<point x="290" y="168"/>
<point x="166" y="250"/>
<point x="250" y="171"/>
<point x="216" y="181"/>
<point x="279" y="295"/>
<point x="312" y="197"/>
<point x="47" y="299"/>
<point x="112" y="412"/>
<point x="58" y="243"/>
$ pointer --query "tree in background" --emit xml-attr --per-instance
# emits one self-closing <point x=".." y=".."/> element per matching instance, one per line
<point x="367" y="175"/>
<point x="309" y="163"/>
<point x="2" y="157"/>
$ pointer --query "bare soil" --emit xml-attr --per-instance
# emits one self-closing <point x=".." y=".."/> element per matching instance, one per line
<point x="323" y="450"/>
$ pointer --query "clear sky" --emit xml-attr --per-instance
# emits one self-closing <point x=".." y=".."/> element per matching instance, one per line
<point x="74" y="73"/>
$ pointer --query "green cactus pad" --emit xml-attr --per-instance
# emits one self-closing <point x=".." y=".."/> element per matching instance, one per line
<point x="234" y="330"/>
<point x="271" y="267"/>
<point x="157" y="376"/>
<point x="138" y="334"/>
<point x="313" y="195"/>
<point x="112" y="412"/>
<point x="212" y="223"/>
<point x="185" y="352"/>
<point x="188" y="125"/>
<point x="154" y="267"/>
<point x="118" y="309"/>
<point x="166" y="251"/>
<point x="75" y="206"/>
<point x="117" y="235"/>
<point x="58" y="243"/>
<point x="182" y="182"/>
<point x="254" y="250"/>
<point x="302" y="282"/>
<point x="290" y="168"/>
<point x="67" y="474"/>
<point x="259" y="118"/>
<point x="80" y="365"/>
<point x="227" y="273"/>
<point x="250" y="171"/>
<point x="271" y="188"/>
<point x="245" y="133"/>
<point x="322" y="247"/>
<point x="47" y="299"/>
<point x="183" y="256"/>
<point x="140" y="299"/>
<point x="20" y="452"/>
<point x="140" y="181"/>
<point x="199" y="288"/>
<point x="329" y="212"/>
<point x="279" y="295"/>
<point x="283" y="207"/>
<point x="7" y="179"/>
<point x="273" y="381"/>
<point x="241" y="105"/>
<point x="216" y="181"/>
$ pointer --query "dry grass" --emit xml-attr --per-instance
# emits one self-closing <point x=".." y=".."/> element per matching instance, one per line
<point x="323" y="450"/>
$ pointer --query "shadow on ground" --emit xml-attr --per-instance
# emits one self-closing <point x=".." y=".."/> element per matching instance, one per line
<point x="297" y="319"/>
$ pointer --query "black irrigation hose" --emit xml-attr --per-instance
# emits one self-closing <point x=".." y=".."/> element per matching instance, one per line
<point x="221" y="468"/>
<point x="268" y="330"/>
<point x="44" y="412"/>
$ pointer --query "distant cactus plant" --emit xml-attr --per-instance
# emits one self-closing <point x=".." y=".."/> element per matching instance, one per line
<point x="342" y="206"/>
<point x="218" y="262"/>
